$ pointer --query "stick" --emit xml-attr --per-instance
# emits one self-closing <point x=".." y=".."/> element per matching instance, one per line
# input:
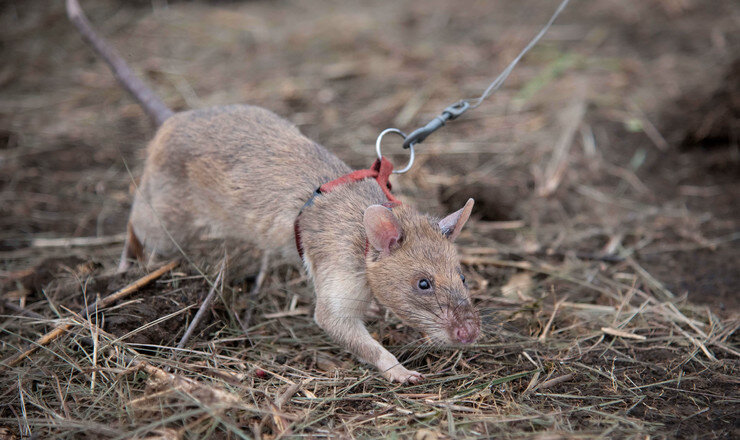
<point x="201" y="311"/>
<point x="261" y="274"/>
<point x="470" y="260"/>
<point x="651" y="280"/>
<point x="77" y="241"/>
<point x="176" y="381"/>
<point x="500" y="225"/>
<point x="622" y="334"/>
<point x="482" y="252"/>
<point x="22" y="311"/>
<point x="558" y="164"/>
<point x="295" y="312"/>
<point x="543" y="336"/>
<point x="554" y="381"/>
<point x="97" y="305"/>
<point x="288" y="394"/>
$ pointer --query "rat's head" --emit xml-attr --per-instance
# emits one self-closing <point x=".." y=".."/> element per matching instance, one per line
<point x="413" y="269"/>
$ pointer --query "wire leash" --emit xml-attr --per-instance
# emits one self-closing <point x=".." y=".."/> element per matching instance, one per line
<point x="455" y="110"/>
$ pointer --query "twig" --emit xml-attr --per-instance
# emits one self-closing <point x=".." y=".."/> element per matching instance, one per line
<point x="176" y="381"/>
<point x="650" y="279"/>
<point x="622" y="334"/>
<point x="499" y="225"/>
<point x="698" y="343"/>
<point x="289" y="393"/>
<point x="649" y="129"/>
<point x="477" y="252"/>
<point x="606" y="257"/>
<point x="179" y="382"/>
<point x="554" y="381"/>
<point x="261" y="274"/>
<point x="532" y="383"/>
<point x="77" y="241"/>
<point x="25" y="428"/>
<point x="22" y="311"/>
<point x="94" y="333"/>
<point x="586" y="306"/>
<point x="543" y="336"/>
<point x="97" y="305"/>
<point x="295" y="312"/>
<point x="471" y="260"/>
<point x="555" y="170"/>
<point x="206" y="304"/>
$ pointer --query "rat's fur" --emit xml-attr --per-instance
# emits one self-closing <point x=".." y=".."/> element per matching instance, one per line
<point x="236" y="171"/>
<point x="241" y="174"/>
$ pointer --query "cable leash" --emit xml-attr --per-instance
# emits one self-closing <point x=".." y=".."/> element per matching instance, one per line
<point x="453" y="111"/>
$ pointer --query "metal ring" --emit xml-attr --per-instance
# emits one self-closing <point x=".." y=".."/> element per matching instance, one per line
<point x="403" y="135"/>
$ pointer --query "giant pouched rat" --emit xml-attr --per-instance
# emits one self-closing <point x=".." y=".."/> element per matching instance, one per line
<point x="241" y="173"/>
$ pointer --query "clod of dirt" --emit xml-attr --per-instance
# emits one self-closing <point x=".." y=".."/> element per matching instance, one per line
<point x="492" y="203"/>
<point x="710" y="120"/>
<point x="137" y="315"/>
<point x="50" y="269"/>
<point x="7" y="139"/>
<point x="137" y="318"/>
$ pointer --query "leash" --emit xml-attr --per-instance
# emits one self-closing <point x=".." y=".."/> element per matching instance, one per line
<point x="455" y="110"/>
<point x="380" y="170"/>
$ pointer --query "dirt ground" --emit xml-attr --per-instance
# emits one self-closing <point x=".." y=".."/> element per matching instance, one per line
<point x="606" y="174"/>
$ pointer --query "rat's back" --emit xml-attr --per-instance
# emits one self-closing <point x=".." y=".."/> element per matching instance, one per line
<point x="232" y="172"/>
<point x="226" y="172"/>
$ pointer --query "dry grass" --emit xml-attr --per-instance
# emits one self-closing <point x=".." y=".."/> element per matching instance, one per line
<point x="583" y="256"/>
<point x="620" y="364"/>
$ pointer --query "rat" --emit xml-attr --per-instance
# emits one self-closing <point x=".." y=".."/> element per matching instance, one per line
<point x="241" y="173"/>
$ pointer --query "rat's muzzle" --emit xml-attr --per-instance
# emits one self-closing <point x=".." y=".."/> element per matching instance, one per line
<point x="463" y="325"/>
<point x="466" y="332"/>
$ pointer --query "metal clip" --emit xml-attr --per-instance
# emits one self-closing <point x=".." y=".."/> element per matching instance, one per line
<point x="380" y="154"/>
<point x="417" y="136"/>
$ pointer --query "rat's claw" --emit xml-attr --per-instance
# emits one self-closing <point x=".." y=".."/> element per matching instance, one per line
<point x="415" y="377"/>
<point x="401" y="375"/>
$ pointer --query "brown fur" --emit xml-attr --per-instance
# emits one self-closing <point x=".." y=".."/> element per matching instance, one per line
<point x="227" y="172"/>
<point x="424" y="253"/>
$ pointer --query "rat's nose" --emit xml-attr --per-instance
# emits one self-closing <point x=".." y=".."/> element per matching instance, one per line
<point x="466" y="333"/>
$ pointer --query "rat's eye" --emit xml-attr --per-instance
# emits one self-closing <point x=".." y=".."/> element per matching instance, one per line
<point x="462" y="277"/>
<point x="424" y="284"/>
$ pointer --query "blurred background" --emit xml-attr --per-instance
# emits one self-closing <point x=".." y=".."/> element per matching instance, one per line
<point x="617" y="136"/>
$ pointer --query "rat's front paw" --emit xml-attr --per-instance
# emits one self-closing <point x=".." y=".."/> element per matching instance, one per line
<point x="401" y="375"/>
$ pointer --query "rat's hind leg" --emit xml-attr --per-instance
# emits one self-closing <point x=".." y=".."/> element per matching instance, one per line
<point x="153" y="231"/>
<point x="132" y="249"/>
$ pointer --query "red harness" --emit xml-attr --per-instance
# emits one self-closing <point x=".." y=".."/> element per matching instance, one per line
<point x="380" y="170"/>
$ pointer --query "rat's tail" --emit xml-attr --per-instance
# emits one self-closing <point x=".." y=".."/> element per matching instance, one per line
<point x="153" y="106"/>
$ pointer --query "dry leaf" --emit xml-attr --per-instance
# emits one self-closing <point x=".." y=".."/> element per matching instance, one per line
<point x="519" y="286"/>
<point x="427" y="434"/>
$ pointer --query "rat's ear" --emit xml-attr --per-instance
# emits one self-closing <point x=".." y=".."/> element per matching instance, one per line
<point x="453" y="223"/>
<point x="382" y="228"/>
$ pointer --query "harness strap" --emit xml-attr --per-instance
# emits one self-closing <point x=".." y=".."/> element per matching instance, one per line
<point x="380" y="170"/>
